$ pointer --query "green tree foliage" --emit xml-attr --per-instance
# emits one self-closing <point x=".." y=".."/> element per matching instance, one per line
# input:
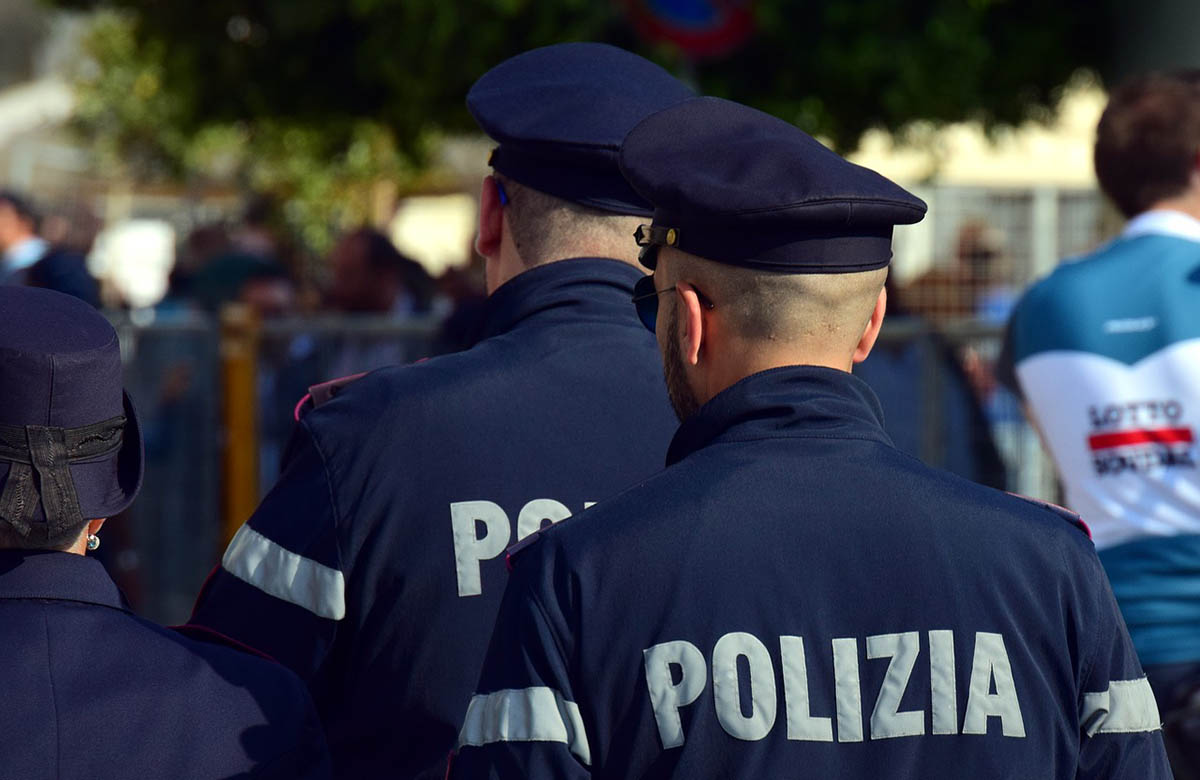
<point x="310" y="98"/>
<point x="839" y="68"/>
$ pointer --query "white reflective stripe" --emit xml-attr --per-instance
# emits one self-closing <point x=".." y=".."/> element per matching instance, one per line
<point x="255" y="559"/>
<point x="525" y="715"/>
<point x="1127" y="707"/>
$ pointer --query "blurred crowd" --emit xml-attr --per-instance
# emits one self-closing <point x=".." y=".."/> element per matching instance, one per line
<point x="249" y="261"/>
<point x="252" y="261"/>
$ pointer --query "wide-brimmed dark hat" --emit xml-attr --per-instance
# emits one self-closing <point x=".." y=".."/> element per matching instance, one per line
<point x="70" y="445"/>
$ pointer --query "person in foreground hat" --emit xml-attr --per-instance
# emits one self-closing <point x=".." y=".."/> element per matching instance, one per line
<point x="793" y="595"/>
<point x="376" y="564"/>
<point x="91" y="690"/>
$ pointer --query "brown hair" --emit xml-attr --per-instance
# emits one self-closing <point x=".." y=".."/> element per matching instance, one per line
<point x="1148" y="139"/>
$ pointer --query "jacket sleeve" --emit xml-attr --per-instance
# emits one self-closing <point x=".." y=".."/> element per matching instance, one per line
<point x="1120" y="728"/>
<point x="280" y="587"/>
<point x="525" y="721"/>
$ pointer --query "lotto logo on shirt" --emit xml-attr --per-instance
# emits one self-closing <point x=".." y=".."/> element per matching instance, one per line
<point x="1140" y="436"/>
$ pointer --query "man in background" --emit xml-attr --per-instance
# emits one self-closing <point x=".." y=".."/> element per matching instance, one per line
<point x="28" y="259"/>
<point x="1106" y="354"/>
<point x="371" y="276"/>
<point x="374" y="567"/>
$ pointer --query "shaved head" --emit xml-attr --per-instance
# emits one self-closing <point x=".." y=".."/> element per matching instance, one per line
<point x="810" y="313"/>
<point x="546" y="228"/>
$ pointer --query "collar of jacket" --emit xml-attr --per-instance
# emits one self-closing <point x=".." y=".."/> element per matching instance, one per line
<point x="583" y="288"/>
<point x="61" y="576"/>
<point x="788" y="402"/>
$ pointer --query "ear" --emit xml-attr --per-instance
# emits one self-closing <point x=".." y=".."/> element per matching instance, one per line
<point x="93" y="526"/>
<point x="867" y="342"/>
<point x="692" y="311"/>
<point x="491" y="220"/>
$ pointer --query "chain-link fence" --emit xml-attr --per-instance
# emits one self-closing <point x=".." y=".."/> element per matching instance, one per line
<point x="161" y="548"/>
<point x="980" y="247"/>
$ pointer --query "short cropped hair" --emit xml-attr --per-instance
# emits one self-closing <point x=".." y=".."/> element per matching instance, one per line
<point x="546" y="228"/>
<point x="1148" y="139"/>
<point x="829" y="311"/>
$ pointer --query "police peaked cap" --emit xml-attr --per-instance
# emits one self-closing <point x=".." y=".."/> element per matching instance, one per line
<point x="737" y="186"/>
<point x="70" y="446"/>
<point x="559" y="114"/>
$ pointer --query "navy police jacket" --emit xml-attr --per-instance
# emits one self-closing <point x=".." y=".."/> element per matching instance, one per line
<point x="375" y="566"/>
<point x="92" y="691"/>
<point x="793" y="595"/>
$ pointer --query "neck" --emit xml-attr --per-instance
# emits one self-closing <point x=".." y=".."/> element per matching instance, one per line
<point x="1187" y="203"/>
<point x="723" y="374"/>
<point x="508" y="266"/>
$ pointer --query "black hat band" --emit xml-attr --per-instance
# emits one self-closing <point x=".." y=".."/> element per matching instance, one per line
<point x="590" y="180"/>
<point x="772" y="246"/>
<point x="48" y="452"/>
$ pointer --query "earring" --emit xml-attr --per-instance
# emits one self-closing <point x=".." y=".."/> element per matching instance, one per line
<point x="93" y="542"/>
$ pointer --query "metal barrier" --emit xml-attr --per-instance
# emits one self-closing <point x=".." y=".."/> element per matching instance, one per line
<point x="161" y="548"/>
<point x="295" y="354"/>
<point x="216" y="403"/>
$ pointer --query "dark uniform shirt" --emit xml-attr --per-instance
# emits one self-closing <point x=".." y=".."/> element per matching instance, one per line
<point x="375" y="566"/>
<point x="795" y="596"/>
<point x="92" y="691"/>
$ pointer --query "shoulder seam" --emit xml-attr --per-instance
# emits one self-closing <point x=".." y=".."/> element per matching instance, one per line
<point x="1094" y="655"/>
<point x="1059" y="513"/>
<point x="329" y="483"/>
<point x="535" y="599"/>
<point x="312" y="436"/>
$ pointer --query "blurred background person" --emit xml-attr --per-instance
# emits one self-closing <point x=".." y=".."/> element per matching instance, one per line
<point x="371" y="276"/>
<point x="931" y="410"/>
<point x="973" y="287"/>
<point x="31" y="260"/>
<point x="464" y="291"/>
<point x="217" y="263"/>
<point x="1106" y="354"/>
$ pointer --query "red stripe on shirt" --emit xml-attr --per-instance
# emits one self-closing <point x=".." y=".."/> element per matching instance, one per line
<point x="1103" y="441"/>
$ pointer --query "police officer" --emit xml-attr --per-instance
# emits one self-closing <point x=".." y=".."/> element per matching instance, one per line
<point x="792" y="594"/>
<point x="376" y="564"/>
<point x="91" y="690"/>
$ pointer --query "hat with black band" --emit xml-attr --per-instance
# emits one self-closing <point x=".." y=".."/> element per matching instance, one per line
<point x="740" y="187"/>
<point x="70" y="444"/>
<point x="559" y="114"/>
